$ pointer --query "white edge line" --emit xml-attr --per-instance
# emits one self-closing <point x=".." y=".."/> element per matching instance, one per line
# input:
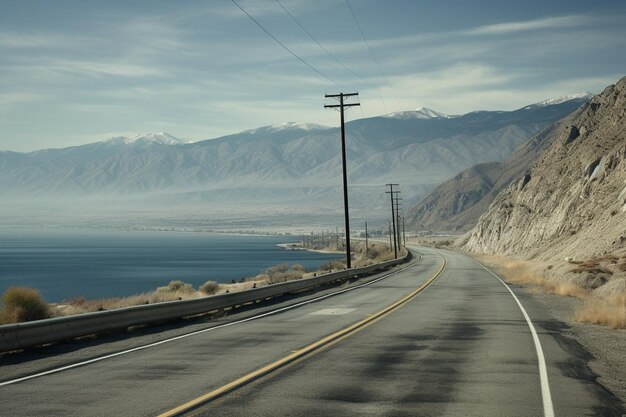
<point x="161" y="342"/>
<point x="548" y="409"/>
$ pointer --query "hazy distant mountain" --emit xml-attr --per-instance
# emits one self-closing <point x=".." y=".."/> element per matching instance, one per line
<point x="447" y="208"/>
<point x="290" y="164"/>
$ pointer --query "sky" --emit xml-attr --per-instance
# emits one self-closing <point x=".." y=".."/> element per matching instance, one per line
<point x="78" y="71"/>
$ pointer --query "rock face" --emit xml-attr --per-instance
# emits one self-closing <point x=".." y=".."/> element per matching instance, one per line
<point x="572" y="202"/>
<point x="456" y="204"/>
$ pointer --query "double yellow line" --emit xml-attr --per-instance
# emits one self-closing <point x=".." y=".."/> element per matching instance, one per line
<point x="348" y="331"/>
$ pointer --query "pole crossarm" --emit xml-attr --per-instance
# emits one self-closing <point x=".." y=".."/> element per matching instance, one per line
<point x="340" y="95"/>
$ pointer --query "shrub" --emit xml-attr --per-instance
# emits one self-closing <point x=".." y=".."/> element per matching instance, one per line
<point x="277" y="269"/>
<point x="329" y="266"/>
<point x="23" y="304"/>
<point x="284" y="276"/>
<point x="176" y="286"/>
<point x="209" y="287"/>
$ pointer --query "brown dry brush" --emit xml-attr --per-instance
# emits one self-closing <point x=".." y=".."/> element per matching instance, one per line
<point x="20" y="304"/>
<point x="609" y="312"/>
<point x="209" y="288"/>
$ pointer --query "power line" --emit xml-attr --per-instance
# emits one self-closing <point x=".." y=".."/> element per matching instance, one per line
<point x="373" y="57"/>
<point x="321" y="46"/>
<point x="286" y="48"/>
<point x="318" y="43"/>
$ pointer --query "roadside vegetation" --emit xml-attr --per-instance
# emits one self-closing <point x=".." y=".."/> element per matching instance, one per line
<point x="25" y="304"/>
<point x="437" y="242"/>
<point x="603" y="303"/>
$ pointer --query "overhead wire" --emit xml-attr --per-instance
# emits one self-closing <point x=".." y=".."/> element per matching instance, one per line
<point x="330" y="54"/>
<point x="373" y="57"/>
<point x="286" y="48"/>
<point x="308" y="33"/>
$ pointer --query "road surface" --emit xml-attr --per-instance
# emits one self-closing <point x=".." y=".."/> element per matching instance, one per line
<point x="460" y="346"/>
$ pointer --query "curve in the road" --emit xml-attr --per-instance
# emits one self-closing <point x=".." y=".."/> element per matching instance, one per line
<point x="304" y="352"/>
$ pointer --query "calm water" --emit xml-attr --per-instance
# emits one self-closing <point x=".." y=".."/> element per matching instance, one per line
<point x="96" y="264"/>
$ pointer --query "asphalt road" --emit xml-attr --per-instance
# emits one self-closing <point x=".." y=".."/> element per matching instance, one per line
<point x="460" y="347"/>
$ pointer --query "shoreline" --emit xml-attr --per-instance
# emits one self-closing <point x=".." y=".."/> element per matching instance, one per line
<point x="294" y="247"/>
<point x="110" y="264"/>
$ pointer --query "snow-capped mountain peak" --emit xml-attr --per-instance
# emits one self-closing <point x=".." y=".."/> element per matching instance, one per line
<point x="287" y="125"/>
<point x="163" y="138"/>
<point x="419" y="113"/>
<point x="562" y="99"/>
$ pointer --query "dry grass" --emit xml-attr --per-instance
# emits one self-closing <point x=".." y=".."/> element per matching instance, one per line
<point x="520" y="272"/>
<point x="609" y="312"/>
<point x="80" y="305"/>
<point x="176" y="287"/>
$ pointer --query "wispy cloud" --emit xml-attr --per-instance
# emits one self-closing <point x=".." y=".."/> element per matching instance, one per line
<point x="94" y="67"/>
<point x="10" y="99"/>
<point x="530" y="25"/>
<point x="22" y="40"/>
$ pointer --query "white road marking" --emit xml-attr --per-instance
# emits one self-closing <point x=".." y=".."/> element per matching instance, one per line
<point x="161" y="342"/>
<point x="338" y="311"/>
<point x="548" y="409"/>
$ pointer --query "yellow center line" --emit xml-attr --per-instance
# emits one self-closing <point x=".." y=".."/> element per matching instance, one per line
<point x="299" y="353"/>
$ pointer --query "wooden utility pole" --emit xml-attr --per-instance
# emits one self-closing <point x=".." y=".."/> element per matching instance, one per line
<point x="366" y="242"/>
<point x="403" y="233"/>
<point x="391" y="193"/>
<point x="398" y="236"/>
<point x="341" y="106"/>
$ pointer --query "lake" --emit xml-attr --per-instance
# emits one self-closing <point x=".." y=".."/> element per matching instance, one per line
<point x="62" y="264"/>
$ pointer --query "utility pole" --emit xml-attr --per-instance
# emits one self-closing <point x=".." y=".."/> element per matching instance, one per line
<point x="391" y="193"/>
<point x="366" y="244"/>
<point x="390" y="245"/>
<point x="397" y="201"/>
<point x="341" y="106"/>
<point x="403" y="233"/>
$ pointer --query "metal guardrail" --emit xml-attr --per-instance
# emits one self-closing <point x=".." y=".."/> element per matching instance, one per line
<point x="34" y="333"/>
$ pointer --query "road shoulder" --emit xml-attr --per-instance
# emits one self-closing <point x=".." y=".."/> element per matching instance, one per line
<point x="600" y="348"/>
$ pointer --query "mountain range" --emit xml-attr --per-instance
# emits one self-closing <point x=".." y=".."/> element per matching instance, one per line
<point x="285" y="165"/>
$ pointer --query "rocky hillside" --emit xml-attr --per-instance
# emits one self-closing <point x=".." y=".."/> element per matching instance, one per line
<point x="572" y="202"/>
<point x="456" y="204"/>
